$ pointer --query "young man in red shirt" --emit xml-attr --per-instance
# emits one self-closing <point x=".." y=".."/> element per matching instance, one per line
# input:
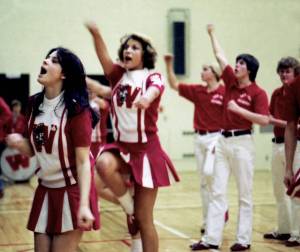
<point x="207" y="99"/>
<point x="245" y="103"/>
<point x="287" y="71"/>
<point x="292" y="155"/>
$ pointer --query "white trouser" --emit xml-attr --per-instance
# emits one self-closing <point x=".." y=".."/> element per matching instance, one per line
<point x="282" y="199"/>
<point x="205" y="157"/>
<point x="234" y="154"/>
<point x="295" y="227"/>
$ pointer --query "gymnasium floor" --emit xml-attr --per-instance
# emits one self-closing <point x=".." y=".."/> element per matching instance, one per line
<point x="177" y="218"/>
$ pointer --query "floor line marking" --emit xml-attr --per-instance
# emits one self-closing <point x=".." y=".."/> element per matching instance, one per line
<point x="174" y="231"/>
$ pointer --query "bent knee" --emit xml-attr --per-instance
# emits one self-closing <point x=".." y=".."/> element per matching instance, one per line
<point x="106" y="164"/>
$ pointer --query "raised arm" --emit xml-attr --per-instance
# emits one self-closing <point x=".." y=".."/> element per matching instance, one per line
<point x="98" y="88"/>
<point x="218" y="51"/>
<point x="173" y="83"/>
<point x="100" y="48"/>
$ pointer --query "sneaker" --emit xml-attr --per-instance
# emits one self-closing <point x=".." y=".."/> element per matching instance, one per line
<point x="239" y="247"/>
<point x="293" y="242"/>
<point x="277" y="236"/>
<point x="132" y="225"/>
<point x="202" y="246"/>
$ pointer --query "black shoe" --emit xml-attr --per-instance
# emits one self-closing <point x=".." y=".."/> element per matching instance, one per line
<point x="292" y="242"/>
<point x="277" y="236"/>
<point x="202" y="246"/>
<point x="239" y="247"/>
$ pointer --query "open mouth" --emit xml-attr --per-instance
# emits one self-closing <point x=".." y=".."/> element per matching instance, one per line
<point x="127" y="58"/>
<point x="43" y="70"/>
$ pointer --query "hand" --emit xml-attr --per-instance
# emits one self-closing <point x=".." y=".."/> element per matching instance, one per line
<point x="233" y="106"/>
<point x="142" y="103"/>
<point x="210" y="28"/>
<point x="288" y="178"/>
<point x="92" y="27"/>
<point x="13" y="140"/>
<point x="85" y="217"/>
<point x="168" y="58"/>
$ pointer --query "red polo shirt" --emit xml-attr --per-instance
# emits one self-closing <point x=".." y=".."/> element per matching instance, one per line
<point x="208" y="105"/>
<point x="252" y="98"/>
<point x="292" y="108"/>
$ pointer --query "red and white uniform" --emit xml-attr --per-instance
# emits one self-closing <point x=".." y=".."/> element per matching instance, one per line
<point x="235" y="153"/>
<point x="99" y="133"/>
<point x="133" y="125"/>
<point x="208" y="110"/>
<point x="277" y="110"/>
<point x="292" y="112"/>
<point x="54" y="138"/>
<point x="135" y="129"/>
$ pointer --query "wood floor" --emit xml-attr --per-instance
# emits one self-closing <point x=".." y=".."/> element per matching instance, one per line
<point x="177" y="218"/>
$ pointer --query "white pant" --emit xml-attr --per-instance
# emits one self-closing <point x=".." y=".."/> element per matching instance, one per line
<point x="282" y="199"/>
<point x="234" y="154"/>
<point x="295" y="227"/>
<point x="205" y="157"/>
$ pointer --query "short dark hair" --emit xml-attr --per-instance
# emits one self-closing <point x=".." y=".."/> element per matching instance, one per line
<point x="149" y="53"/>
<point x="251" y="63"/>
<point x="289" y="62"/>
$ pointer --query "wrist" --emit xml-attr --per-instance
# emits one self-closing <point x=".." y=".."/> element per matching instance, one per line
<point x="84" y="204"/>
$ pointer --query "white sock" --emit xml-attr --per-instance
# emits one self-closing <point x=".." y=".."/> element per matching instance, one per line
<point x="136" y="245"/>
<point x="126" y="202"/>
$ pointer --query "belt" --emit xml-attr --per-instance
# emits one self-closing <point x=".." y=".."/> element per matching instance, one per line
<point x="205" y="132"/>
<point x="278" y="140"/>
<point x="231" y="133"/>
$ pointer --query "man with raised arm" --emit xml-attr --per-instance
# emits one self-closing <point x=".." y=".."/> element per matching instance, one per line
<point x="245" y="103"/>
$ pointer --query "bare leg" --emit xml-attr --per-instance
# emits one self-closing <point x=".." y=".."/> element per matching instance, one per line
<point x="66" y="242"/>
<point x="108" y="166"/>
<point x="104" y="192"/>
<point x="42" y="242"/>
<point x="144" y="201"/>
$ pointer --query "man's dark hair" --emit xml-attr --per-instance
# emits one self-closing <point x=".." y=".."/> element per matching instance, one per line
<point x="252" y="64"/>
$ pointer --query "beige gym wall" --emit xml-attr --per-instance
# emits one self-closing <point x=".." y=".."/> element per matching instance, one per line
<point x="269" y="29"/>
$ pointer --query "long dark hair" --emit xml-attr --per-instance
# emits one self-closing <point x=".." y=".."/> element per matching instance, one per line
<point x="74" y="85"/>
